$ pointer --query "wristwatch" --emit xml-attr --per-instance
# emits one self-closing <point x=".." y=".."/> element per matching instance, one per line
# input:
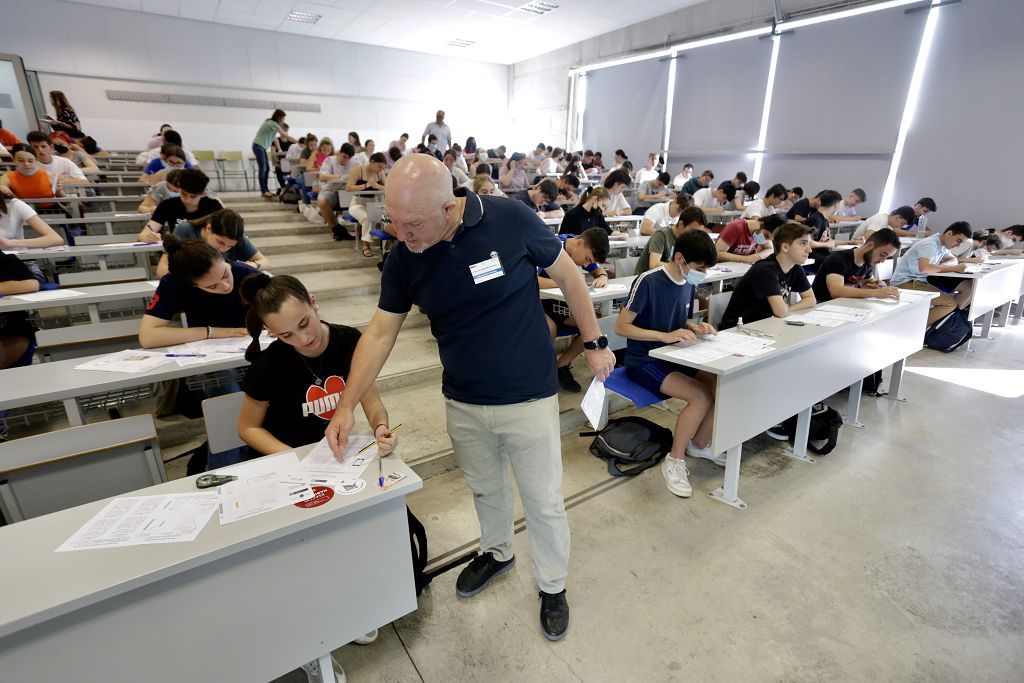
<point x="599" y="343"/>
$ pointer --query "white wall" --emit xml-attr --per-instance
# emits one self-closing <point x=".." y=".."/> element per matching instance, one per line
<point x="380" y="92"/>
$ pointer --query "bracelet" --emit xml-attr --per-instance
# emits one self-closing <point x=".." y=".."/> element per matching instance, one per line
<point x="209" y="331"/>
<point x="382" y="424"/>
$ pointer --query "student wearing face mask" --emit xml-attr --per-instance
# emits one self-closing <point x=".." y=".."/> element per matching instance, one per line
<point x="745" y="239"/>
<point x="171" y="157"/>
<point x="658" y="312"/>
<point x="224" y="230"/>
<point x="28" y="180"/>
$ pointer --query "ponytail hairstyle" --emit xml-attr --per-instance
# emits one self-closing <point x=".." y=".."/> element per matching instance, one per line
<point x="223" y="222"/>
<point x="189" y="260"/>
<point x="265" y="295"/>
<point x="594" y="191"/>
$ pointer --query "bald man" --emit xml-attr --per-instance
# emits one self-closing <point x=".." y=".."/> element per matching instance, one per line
<point x="470" y="262"/>
<point x="439" y="128"/>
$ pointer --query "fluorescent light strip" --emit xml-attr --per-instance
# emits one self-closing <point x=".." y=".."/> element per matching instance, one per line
<point x="674" y="49"/>
<point x="670" y="97"/>
<point x="762" y="136"/>
<point x="911" y="106"/>
<point x="844" y="14"/>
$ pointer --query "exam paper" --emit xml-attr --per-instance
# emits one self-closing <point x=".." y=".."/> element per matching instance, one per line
<point x="211" y="350"/>
<point x="133" y="361"/>
<point x="49" y="295"/>
<point x="320" y="467"/>
<point x="740" y="344"/>
<point x="699" y="353"/>
<point x="593" y="402"/>
<point x="262" y="486"/>
<point x="142" y="520"/>
<point x="911" y="295"/>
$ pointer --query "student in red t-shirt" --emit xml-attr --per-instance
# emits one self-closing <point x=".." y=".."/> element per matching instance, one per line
<point x="746" y="240"/>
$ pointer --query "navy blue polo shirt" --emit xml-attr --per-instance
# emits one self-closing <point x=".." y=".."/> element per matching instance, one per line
<point x="494" y="341"/>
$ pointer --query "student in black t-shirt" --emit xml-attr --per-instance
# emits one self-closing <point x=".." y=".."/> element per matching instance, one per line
<point x="804" y="207"/>
<point x="17" y="335"/>
<point x="850" y="272"/>
<point x="294" y="385"/>
<point x="822" y="241"/>
<point x="588" y="213"/>
<point x="190" y="204"/>
<point x="224" y="230"/>
<point x="542" y="199"/>
<point x="765" y="289"/>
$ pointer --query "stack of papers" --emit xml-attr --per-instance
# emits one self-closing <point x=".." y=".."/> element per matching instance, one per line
<point x="831" y="315"/>
<point x="262" y="486"/>
<point x="714" y="347"/>
<point x="320" y="467"/>
<point x="133" y="361"/>
<point x="142" y="520"/>
<point x="213" y="350"/>
<point x="49" y="295"/>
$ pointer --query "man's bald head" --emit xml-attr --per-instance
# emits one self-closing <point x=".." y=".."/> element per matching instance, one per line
<point x="420" y="201"/>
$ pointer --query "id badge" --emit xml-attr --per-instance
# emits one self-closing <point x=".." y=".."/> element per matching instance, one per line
<point x="487" y="270"/>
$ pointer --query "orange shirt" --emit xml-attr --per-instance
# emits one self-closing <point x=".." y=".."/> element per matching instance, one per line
<point x="7" y="138"/>
<point x="35" y="186"/>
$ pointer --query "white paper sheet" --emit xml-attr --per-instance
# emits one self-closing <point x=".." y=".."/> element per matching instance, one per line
<point x="593" y="402"/>
<point x="141" y="520"/>
<point x="135" y="361"/>
<point x="49" y="295"/>
<point x="212" y="350"/>
<point x="699" y="353"/>
<point x="261" y="487"/>
<point x="320" y="467"/>
<point x="739" y="344"/>
<point x="911" y="295"/>
<point x="608" y="288"/>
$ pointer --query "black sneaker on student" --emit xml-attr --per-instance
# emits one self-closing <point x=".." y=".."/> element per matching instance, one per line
<point x="567" y="381"/>
<point x="478" y="573"/>
<point x="341" y="234"/>
<point x="778" y="432"/>
<point x="554" y="615"/>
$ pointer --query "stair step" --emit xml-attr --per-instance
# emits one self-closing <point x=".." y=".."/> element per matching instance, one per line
<point x="351" y="284"/>
<point x="293" y="264"/>
<point x="257" y="218"/>
<point x="304" y="244"/>
<point x="259" y="230"/>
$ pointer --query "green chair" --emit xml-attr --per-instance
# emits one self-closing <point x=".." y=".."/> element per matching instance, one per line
<point x="208" y="159"/>
<point x="238" y="168"/>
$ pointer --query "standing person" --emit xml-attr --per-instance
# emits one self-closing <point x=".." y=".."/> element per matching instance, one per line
<point x="268" y="131"/>
<point x="440" y="129"/>
<point x="481" y="254"/>
<point x="67" y="120"/>
<point x="365" y="178"/>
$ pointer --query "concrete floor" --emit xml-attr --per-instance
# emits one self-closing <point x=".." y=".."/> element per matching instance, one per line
<point x="897" y="557"/>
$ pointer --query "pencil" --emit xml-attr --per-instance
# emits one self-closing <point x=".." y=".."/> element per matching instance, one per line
<point x="371" y="445"/>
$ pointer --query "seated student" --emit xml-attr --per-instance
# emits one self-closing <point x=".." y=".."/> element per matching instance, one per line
<point x="684" y="175"/>
<point x="513" y="177"/>
<point x="932" y="255"/>
<point x="14" y="216"/>
<point x="1008" y="239"/>
<point x="542" y="199"/>
<point x="774" y="196"/>
<point x="978" y="249"/>
<point x="658" y="312"/>
<point x="703" y="180"/>
<point x="56" y="166"/>
<point x="432" y="147"/>
<point x="665" y="214"/>
<point x="28" y="180"/>
<point x="17" y="334"/>
<point x="484" y="184"/>
<point x="659" y="248"/>
<point x="171" y="157"/>
<point x="650" y="171"/>
<point x="597" y="163"/>
<point x="822" y="242"/>
<point x="363" y="154"/>
<point x="7" y="138"/>
<point x="400" y="142"/>
<point x="539" y="154"/>
<point x="846" y="210"/>
<point x="918" y="227"/>
<point x="739" y="180"/>
<point x="713" y="201"/>
<point x="747" y="240"/>
<point x="746" y="193"/>
<point x="394" y="154"/>
<point x="620" y="160"/>
<point x="324" y="151"/>
<point x="224" y="230"/>
<point x="766" y="288"/>
<point x="568" y="186"/>
<point x="450" y="159"/>
<point x="334" y="169"/>
<point x="170" y="137"/>
<point x="849" y="273"/>
<point x="586" y="251"/>
<point x="367" y="177"/>
<point x="804" y="207"/>
<point x="190" y="204"/>
<point x="574" y="169"/>
<point x="90" y="147"/>
<point x="896" y="220"/>
<point x="553" y="163"/>
<point x="652" y="192"/>
<point x="165" y="189"/>
<point x="615" y="183"/>
<point x="64" y="146"/>
<point x="793" y="195"/>
<point x="588" y="213"/>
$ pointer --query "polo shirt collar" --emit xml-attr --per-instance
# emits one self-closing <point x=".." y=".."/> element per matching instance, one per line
<point x="473" y="212"/>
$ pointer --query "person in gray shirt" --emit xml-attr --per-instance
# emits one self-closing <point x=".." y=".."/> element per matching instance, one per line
<point x="658" y="249"/>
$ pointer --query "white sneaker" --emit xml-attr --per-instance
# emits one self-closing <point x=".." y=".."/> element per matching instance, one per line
<point x="312" y="670"/>
<point x="695" y="452"/>
<point x="675" y="474"/>
<point x="367" y="639"/>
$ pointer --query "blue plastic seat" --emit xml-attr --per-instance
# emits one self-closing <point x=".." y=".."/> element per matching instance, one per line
<point x="382" y="235"/>
<point x="623" y="386"/>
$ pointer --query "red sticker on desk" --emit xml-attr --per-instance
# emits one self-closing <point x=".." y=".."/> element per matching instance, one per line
<point x="322" y="494"/>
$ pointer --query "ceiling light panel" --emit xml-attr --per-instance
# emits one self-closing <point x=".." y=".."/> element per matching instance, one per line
<point x="303" y="17"/>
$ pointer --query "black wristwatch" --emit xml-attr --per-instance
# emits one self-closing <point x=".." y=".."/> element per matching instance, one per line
<point x="599" y="343"/>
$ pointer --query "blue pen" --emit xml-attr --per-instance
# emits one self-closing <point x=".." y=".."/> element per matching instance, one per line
<point x="380" y="472"/>
<point x="185" y="355"/>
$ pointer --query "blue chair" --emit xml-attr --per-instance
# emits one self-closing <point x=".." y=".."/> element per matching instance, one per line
<point x="620" y="384"/>
<point x="48" y="286"/>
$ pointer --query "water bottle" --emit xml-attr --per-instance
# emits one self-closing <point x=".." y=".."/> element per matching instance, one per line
<point x="922" y="224"/>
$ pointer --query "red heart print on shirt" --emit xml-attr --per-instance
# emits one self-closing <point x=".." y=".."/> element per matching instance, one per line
<point x="322" y="401"/>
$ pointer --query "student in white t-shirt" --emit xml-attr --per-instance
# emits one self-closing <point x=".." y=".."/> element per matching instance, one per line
<point x="14" y="216"/>
<point x="56" y="166"/>
<point x="897" y="219"/>
<point x="663" y="215"/>
<point x="713" y="201"/>
<point x="774" y="196"/>
<point x="684" y="176"/>
<point x="650" y="171"/>
<point x="846" y="210"/>
<point x="615" y="183"/>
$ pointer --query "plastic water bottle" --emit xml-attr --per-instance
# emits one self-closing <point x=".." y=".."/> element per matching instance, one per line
<point x="922" y="224"/>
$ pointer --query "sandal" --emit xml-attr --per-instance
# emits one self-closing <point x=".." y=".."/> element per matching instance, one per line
<point x="368" y="252"/>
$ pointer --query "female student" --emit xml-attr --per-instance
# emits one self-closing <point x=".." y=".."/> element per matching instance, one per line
<point x="28" y="181"/>
<point x="588" y="213"/>
<point x="658" y="312"/>
<point x="362" y="178"/>
<point x="323" y="150"/>
<point x="224" y="230"/>
<point x="513" y="177"/>
<point x="17" y="335"/>
<point x="268" y="130"/>
<point x="484" y="185"/>
<point x="14" y="216"/>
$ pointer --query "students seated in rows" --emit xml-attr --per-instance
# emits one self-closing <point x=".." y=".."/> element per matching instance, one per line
<point x="363" y="154"/>
<point x="683" y="177"/>
<point x="978" y="249"/>
<point x="660" y="247"/>
<point x="615" y="182"/>
<point x="17" y="333"/>
<point x="747" y="240"/>
<point x="658" y="312"/>
<point x="929" y="256"/>
<point x="713" y="201"/>
<point x="896" y="220"/>
<point x="363" y="178"/>
<point x="587" y="251"/>
<point x="542" y="199"/>
<point x="746" y="193"/>
<point x="29" y="181"/>
<point x="774" y="197"/>
<point x="224" y="230"/>
<point x="1008" y="239"/>
<point x="553" y="163"/>
<point x="56" y="166"/>
<point x="846" y="210"/>
<point x="14" y="216"/>
<point x="703" y="180"/>
<point x="450" y="157"/>
<point x="766" y="289"/>
<point x="652" y="192"/>
<point x="588" y="213"/>
<point x="919" y="226"/>
<point x="850" y="273"/>
<point x="513" y="177"/>
<point x="190" y="204"/>
<point x="170" y="137"/>
<point x="568" y="188"/>
<point x="171" y="157"/>
<point x="822" y="241"/>
<point x="650" y="171"/>
<point x="334" y="169"/>
<point x="665" y="214"/>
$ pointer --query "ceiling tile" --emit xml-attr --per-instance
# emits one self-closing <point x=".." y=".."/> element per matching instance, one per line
<point x="190" y="10"/>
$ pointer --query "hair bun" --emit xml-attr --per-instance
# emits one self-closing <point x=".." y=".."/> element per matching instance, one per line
<point x="251" y="286"/>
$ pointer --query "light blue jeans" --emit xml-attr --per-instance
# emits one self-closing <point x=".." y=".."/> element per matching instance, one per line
<point x="487" y="439"/>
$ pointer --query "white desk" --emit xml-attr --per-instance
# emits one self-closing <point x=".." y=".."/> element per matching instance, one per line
<point x="100" y="251"/>
<point x="92" y="297"/>
<point x="998" y="283"/>
<point x="117" y="189"/>
<point x="244" y="602"/>
<point x="110" y="201"/>
<point x="807" y="365"/>
<point x="722" y="216"/>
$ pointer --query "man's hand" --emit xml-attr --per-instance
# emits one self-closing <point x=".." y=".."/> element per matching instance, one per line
<point x="599" y="282"/>
<point x="958" y="268"/>
<point x="228" y="332"/>
<point x="888" y="293"/>
<point x="705" y="328"/>
<point x="678" y="336"/>
<point x="387" y="440"/>
<point x="338" y="431"/>
<point x="600" y="361"/>
<point x="149" y="236"/>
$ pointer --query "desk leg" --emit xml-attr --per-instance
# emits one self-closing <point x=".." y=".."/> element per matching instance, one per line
<point x="604" y="309"/>
<point x="729" y="492"/>
<point x="717" y="287"/>
<point x="103" y="262"/>
<point x="986" y="325"/>
<point x="803" y="430"/>
<point x="76" y="417"/>
<point x="94" y="313"/>
<point x="896" y="380"/>
<point x="327" y="669"/>
<point x="853" y="405"/>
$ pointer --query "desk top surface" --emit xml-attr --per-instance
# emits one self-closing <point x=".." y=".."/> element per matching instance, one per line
<point x="64" y="252"/>
<point x="90" y="295"/>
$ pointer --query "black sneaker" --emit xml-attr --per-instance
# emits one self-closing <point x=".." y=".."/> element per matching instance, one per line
<point x="554" y="615"/>
<point x="567" y="381"/>
<point x="341" y="234"/>
<point x="478" y="573"/>
<point x="778" y="432"/>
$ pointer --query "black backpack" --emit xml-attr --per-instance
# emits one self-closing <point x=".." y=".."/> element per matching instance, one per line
<point x="290" y="195"/>
<point x="950" y="333"/>
<point x="418" y="541"/>
<point x="630" y="445"/>
<point x="824" y="431"/>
